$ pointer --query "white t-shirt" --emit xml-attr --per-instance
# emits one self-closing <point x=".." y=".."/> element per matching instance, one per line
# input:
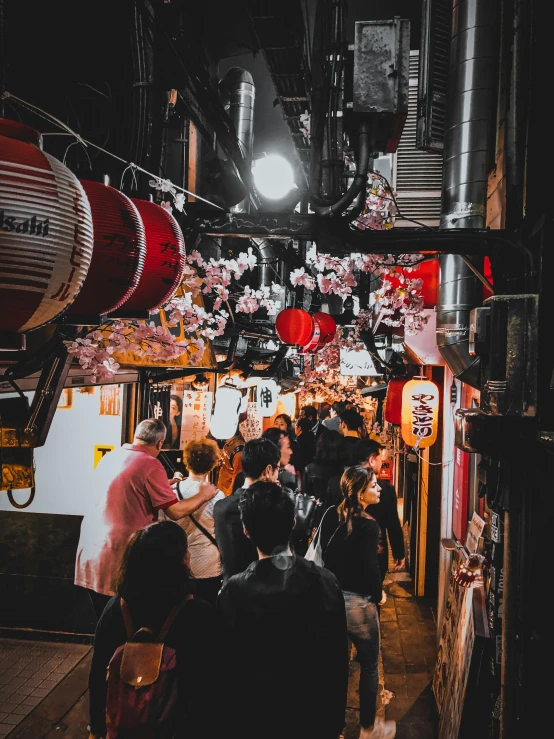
<point x="204" y="556"/>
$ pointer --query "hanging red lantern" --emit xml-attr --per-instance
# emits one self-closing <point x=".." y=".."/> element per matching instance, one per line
<point x="119" y="252"/>
<point x="46" y="233"/>
<point x="327" y="326"/>
<point x="294" y="326"/>
<point x="164" y="264"/>
<point x="393" y="400"/>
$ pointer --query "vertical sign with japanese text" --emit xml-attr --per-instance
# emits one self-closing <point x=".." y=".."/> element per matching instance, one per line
<point x="197" y="410"/>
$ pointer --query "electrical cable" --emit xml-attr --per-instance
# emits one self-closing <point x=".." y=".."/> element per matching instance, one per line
<point x="84" y="142"/>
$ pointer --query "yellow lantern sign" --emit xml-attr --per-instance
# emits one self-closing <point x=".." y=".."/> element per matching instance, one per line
<point x="420" y="412"/>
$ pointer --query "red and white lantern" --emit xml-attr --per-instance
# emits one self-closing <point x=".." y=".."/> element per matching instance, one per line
<point x="165" y="258"/>
<point x="294" y="326"/>
<point x="119" y="252"/>
<point x="46" y="236"/>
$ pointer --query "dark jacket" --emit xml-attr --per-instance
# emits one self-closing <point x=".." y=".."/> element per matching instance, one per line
<point x="284" y="626"/>
<point x="236" y="549"/>
<point x="323" y="482"/>
<point x="195" y="635"/>
<point x="306" y="442"/>
<point x="386" y="514"/>
<point x="352" y="558"/>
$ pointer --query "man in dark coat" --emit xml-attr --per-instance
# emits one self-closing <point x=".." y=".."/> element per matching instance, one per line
<point x="284" y="626"/>
<point x="260" y="461"/>
<point x="369" y="453"/>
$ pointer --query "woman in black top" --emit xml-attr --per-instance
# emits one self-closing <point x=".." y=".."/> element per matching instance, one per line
<point x="284" y="423"/>
<point x="350" y="541"/>
<point x="153" y="578"/>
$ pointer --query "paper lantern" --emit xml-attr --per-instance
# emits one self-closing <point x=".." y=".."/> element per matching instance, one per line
<point x="46" y="233"/>
<point x="420" y="412"/>
<point x="327" y="327"/>
<point x="225" y="416"/>
<point x="294" y="326"/>
<point x="164" y="264"/>
<point x="119" y="252"/>
<point x="393" y="400"/>
<point x="266" y="398"/>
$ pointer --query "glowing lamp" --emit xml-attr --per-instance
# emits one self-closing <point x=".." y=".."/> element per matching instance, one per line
<point x="468" y="571"/>
<point x="273" y="176"/>
<point x="393" y="401"/>
<point x="225" y="416"/>
<point x="420" y="412"/>
<point x="266" y="398"/>
<point x="294" y="326"/>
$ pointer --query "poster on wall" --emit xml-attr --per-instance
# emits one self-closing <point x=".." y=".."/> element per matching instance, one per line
<point x="196" y="413"/>
<point x="110" y="400"/>
<point x="159" y="409"/>
<point x="454" y="657"/>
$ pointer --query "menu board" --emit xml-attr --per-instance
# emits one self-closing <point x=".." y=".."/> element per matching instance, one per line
<point x="252" y="426"/>
<point x="197" y="410"/>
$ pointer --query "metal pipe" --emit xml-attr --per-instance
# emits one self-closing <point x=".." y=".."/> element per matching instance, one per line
<point x="465" y="172"/>
<point x="238" y="96"/>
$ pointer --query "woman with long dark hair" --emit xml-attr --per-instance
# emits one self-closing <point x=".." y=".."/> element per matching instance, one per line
<point x="153" y="578"/>
<point x="173" y="436"/>
<point x="350" y="541"/>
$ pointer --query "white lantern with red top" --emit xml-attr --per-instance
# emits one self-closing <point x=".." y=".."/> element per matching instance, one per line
<point x="46" y="232"/>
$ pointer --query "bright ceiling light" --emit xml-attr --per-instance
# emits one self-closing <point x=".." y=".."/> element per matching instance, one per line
<point x="273" y="176"/>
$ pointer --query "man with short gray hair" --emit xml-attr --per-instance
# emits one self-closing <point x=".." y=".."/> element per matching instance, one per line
<point x="131" y="487"/>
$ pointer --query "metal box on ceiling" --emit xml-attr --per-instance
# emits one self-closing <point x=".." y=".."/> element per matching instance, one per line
<point x="381" y="78"/>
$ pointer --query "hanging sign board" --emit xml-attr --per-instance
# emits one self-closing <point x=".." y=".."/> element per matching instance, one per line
<point x="357" y="363"/>
<point x="197" y="409"/>
<point x="252" y="426"/>
<point x="266" y="398"/>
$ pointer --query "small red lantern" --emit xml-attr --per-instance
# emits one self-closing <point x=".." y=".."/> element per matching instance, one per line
<point x="45" y="231"/>
<point x="165" y="258"/>
<point x="294" y="326"/>
<point x="327" y="327"/>
<point x="119" y="252"/>
<point x="393" y="401"/>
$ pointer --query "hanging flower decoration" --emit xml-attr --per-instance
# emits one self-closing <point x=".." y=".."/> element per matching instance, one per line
<point x="398" y="298"/>
<point x="380" y="207"/>
<point x="214" y="279"/>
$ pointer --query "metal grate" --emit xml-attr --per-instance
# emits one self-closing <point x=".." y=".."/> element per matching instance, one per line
<point x="433" y="73"/>
<point x="418" y="174"/>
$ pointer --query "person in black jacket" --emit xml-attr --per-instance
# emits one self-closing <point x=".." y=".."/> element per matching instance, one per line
<point x="153" y="578"/>
<point x="350" y="539"/>
<point x="260" y="461"/>
<point x="369" y="453"/>
<point x="283" y="621"/>
<point x="322" y="477"/>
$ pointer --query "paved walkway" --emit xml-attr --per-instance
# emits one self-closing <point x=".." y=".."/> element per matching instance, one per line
<point x="43" y="685"/>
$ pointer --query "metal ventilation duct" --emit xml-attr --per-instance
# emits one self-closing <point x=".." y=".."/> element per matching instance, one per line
<point x="238" y="95"/>
<point x="464" y="189"/>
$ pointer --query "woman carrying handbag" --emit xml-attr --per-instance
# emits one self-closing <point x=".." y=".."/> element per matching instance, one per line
<point x="349" y="539"/>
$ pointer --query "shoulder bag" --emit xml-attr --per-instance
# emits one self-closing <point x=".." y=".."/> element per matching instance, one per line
<point x="315" y="550"/>
<point x="197" y="523"/>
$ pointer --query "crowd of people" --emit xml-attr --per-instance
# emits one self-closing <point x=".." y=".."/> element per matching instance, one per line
<point x="259" y="633"/>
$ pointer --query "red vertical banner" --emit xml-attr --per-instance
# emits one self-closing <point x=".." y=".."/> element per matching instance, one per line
<point x="387" y="470"/>
<point x="461" y="494"/>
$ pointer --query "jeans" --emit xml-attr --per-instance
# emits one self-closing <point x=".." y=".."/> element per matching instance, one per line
<point x="363" y="629"/>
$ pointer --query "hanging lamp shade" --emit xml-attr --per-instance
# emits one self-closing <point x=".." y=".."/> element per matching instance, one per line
<point x="266" y="398"/>
<point x="393" y="400"/>
<point x="46" y="236"/>
<point x="165" y="258"/>
<point x="294" y="326"/>
<point x="225" y="416"/>
<point x="119" y="252"/>
<point x="420" y="412"/>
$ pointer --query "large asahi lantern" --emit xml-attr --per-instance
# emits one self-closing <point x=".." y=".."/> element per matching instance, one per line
<point x="46" y="236"/>
<point x="420" y="412"/>
<point x="165" y="258"/>
<point x="119" y="253"/>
